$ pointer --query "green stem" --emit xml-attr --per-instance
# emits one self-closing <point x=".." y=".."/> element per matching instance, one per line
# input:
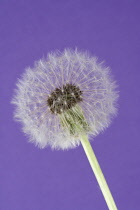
<point x="98" y="173"/>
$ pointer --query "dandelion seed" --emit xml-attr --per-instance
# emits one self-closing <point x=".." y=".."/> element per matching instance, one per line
<point x="64" y="99"/>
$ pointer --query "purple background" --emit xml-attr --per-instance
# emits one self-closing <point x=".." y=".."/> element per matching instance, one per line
<point x="34" y="179"/>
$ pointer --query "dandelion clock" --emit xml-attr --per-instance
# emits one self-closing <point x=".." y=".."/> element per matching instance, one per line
<point x="63" y="101"/>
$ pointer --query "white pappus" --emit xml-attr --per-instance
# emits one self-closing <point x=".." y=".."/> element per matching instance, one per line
<point x="64" y="96"/>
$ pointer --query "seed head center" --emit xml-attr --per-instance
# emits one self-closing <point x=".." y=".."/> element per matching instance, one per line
<point x="63" y="98"/>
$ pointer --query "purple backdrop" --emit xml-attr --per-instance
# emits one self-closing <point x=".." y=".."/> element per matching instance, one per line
<point x="34" y="179"/>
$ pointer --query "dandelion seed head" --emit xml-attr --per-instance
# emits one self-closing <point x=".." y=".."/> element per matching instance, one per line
<point x="64" y="96"/>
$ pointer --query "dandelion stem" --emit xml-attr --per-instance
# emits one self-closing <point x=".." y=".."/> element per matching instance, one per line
<point x="98" y="173"/>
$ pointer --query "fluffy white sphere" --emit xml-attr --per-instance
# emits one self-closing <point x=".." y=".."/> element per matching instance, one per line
<point x="59" y="84"/>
